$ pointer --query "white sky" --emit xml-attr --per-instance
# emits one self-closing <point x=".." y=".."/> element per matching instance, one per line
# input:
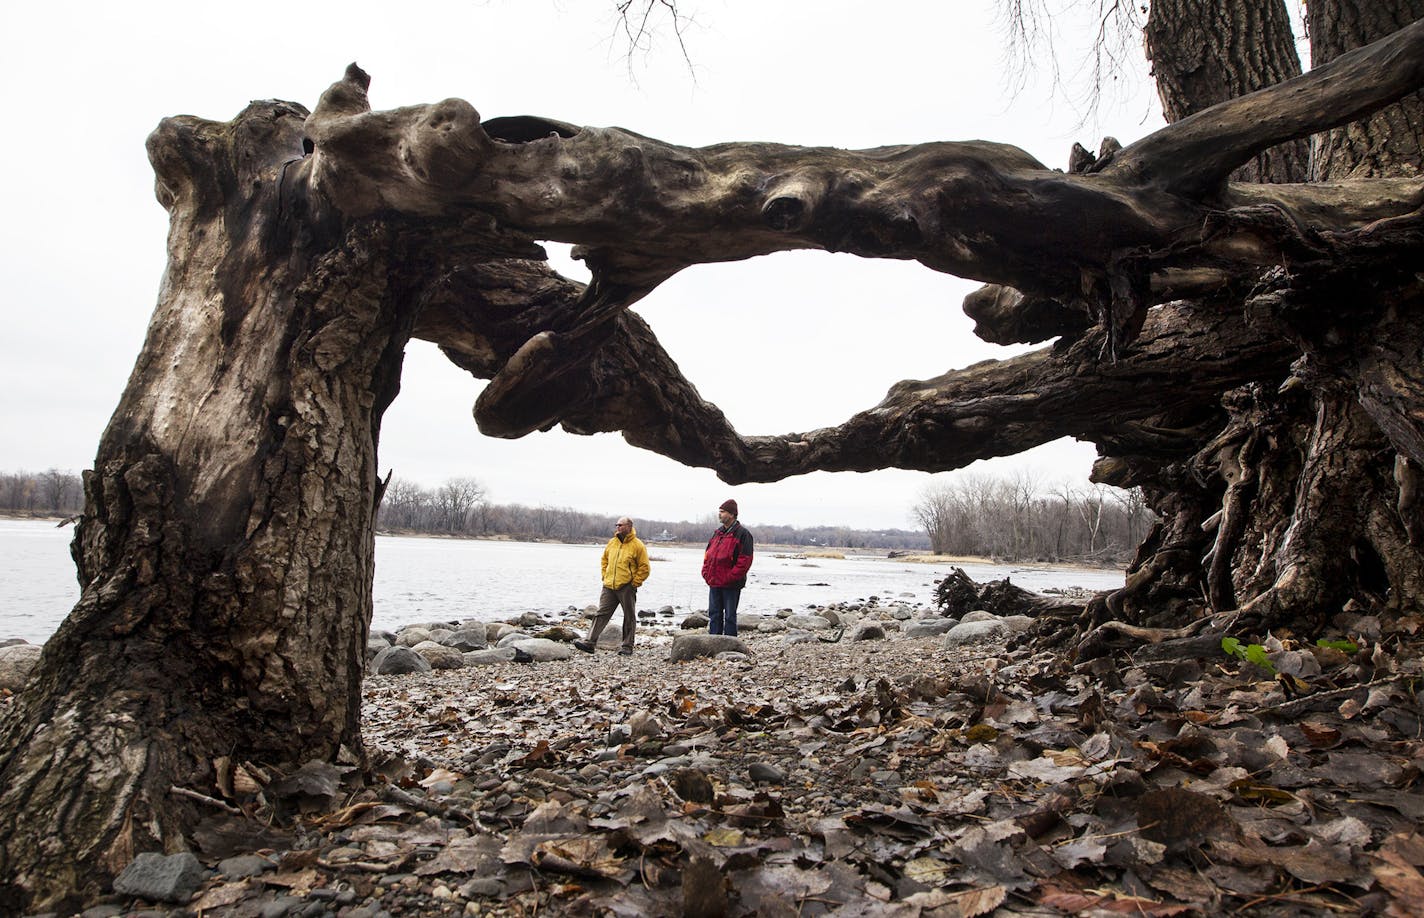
<point x="784" y="343"/>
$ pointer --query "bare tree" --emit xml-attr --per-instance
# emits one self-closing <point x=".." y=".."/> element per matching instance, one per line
<point x="938" y="511"/>
<point x="1091" y="502"/>
<point x="457" y="498"/>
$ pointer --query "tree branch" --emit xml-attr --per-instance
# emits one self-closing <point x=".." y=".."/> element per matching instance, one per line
<point x="1193" y="156"/>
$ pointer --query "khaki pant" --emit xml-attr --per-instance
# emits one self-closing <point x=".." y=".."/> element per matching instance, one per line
<point x="625" y="596"/>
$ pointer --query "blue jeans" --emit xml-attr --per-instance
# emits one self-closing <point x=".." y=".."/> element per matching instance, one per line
<point x="722" y="610"/>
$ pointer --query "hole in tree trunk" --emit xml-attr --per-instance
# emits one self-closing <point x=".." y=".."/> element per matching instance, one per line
<point x="526" y="128"/>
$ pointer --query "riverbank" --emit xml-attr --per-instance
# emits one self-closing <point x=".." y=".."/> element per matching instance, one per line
<point x="888" y="775"/>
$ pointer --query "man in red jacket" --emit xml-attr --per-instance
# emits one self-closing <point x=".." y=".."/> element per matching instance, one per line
<point x="724" y="567"/>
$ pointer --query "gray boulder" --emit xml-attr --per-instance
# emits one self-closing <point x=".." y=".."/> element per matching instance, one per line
<point x="692" y="646"/>
<point x="1018" y="624"/>
<point x="496" y="630"/>
<point x="929" y="627"/>
<point x="808" y="622"/>
<point x="161" y="878"/>
<point x="439" y="656"/>
<point x="979" y="615"/>
<point x="16" y="662"/>
<point x="870" y="631"/>
<point x="397" y="661"/>
<point x="409" y="637"/>
<point x="770" y="626"/>
<point x="469" y="637"/>
<point x="509" y="637"/>
<point x="543" y="650"/>
<point x="486" y="657"/>
<point x="694" y="621"/>
<point x="978" y="632"/>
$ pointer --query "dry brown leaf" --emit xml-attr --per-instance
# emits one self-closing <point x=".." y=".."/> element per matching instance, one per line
<point x="219" y="896"/>
<point x="1075" y="901"/>
<point x="439" y="774"/>
<point x="1403" y="881"/>
<point x="300" y="882"/>
<point x="347" y="815"/>
<point x="965" y="903"/>
<point x="1181" y="819"/>
<point x="587" y="855"/>
<point x="724" y="838"/>
<point x="1321" y="736"/>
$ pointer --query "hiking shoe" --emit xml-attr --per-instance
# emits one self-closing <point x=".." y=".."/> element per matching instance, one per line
<point x="624" y="652"/>
<point x="585" y="646"/>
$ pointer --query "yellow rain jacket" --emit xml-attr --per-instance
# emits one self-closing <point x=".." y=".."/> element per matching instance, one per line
<point x="625" y="561"/>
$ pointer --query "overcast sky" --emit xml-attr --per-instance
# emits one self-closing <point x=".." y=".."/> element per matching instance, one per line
<point x="788" y="342"/>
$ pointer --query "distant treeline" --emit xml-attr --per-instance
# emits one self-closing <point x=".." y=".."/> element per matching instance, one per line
<point x="1017" y="518"/>
<point x="459" y="507"/>
<point x="1014" y="518"/>
<point x="48" y="493"/>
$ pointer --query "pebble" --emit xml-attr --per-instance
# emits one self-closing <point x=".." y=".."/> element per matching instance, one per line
<point x="764" y="773"/>
<point x="248" y="865"/>
<point x="279" y="907"/>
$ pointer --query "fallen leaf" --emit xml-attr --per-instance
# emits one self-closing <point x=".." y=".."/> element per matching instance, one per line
<point x="927" y="870"/>
<point x="1078" y="851"/>
<point x="299" y="882"/>
<point x="226" y="894"/>
<point x="966" y="903"/>
<point x="1181" y="819"/>
<point x="583" y="854"/>
<point x="437" y="775"/>
<point x="724" y="837"/>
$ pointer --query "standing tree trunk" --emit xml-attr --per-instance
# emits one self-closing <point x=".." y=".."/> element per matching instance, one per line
<point x="225" y="553"/>
<point x="1291" y="508"/>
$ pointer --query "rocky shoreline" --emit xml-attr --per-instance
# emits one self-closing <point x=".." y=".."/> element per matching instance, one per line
<point x="862" y="760"/>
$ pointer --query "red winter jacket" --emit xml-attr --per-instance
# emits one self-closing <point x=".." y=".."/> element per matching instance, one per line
<point x="728" y="557"/>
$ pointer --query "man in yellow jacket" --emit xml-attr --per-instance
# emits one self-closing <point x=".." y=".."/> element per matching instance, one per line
<point x="625" y="567"/>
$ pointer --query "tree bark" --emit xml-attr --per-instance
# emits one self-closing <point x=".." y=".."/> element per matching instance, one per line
<point x="1206" y="53"/>
<point x="225" y="552"/>
<point x="1388" y="141"/>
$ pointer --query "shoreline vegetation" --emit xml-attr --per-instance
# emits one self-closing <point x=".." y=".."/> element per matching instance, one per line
<point x="1010" y="520"/>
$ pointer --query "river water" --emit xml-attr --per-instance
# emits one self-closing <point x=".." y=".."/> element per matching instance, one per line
<point x="422" y="580"/>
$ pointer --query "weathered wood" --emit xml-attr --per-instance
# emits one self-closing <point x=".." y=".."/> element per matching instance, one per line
<point x="225" y="552"/>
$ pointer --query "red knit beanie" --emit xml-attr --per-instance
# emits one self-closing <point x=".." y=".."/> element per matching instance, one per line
<point x="730" y="506"/>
